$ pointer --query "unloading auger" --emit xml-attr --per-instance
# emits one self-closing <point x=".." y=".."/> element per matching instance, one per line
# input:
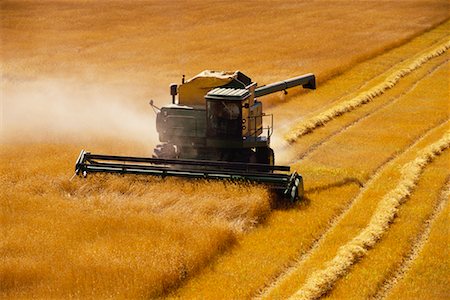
<point x="215" y="130"/>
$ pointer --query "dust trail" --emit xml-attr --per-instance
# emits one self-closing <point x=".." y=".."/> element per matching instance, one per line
<point x="322" y="281"/>
<point x="57" y="110"/>
<point x="308" y="125"/>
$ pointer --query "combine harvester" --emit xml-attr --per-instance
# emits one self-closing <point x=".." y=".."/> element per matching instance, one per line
<point x="214" y="130"/>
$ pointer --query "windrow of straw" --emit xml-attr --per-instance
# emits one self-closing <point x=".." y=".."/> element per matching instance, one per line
<point x="418" y="245"/>
<point x="323" y="280"/>
<point x="427" y="277"/>
<point x="309" y="125"/>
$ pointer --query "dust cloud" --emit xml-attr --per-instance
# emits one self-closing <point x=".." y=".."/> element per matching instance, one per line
<point x="57" y="110"/>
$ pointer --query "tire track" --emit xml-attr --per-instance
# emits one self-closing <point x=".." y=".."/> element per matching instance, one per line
<point x="417" y="246"/>
<point x="323" y="280"/>
<point x="311" y="124"/>
<point x="289" y="270"/>
<point x="391" y="101"/>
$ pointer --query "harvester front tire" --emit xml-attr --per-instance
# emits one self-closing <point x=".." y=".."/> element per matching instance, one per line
<point x="265" y="156"/>
<point x="167" y="151"/>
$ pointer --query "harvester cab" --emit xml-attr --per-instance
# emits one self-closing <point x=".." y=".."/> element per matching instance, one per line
<point x="218" y="117"/>
<point x="216" y="129"/>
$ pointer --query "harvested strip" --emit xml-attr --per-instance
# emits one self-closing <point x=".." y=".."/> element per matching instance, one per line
<point x="427" y="278"/>
<point x="352" y="144"/>
<point x="365" y="278"/>
<point x="312" y="142"/>
<point x="322" y="281"/>
<point x="418" y="245"/>
<point x="289" y="232"/>
<point x="357" y="78"/>
<point x="279" y="288"/>
<point x="391" y="101"/>
<point x="309" y="125"/>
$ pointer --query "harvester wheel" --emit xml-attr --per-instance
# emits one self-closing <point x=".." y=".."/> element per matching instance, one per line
<point x="265" y="156"/>
<point x="167" y="151"/>
<point x="271" y="157"/>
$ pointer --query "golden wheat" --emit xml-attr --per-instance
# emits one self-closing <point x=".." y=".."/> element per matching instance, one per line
<point x="348" y="85"/>
<point x="145" y="46"/>
<point x="427" y="276"/>
<point x="348" y="224"/>
<point x="332" y="180"/>
<point x="321" y="119"/>
<point x="111" y="236"/>
<point x="321" y="281"/>
<point x="130" y="237"/>
<point x="362" y="138"/>
<point x="419" y="241"/>
<point x="393" y="251"/>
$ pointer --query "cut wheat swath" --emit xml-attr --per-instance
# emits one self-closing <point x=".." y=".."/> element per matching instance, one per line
<point x="321" y="119"/>
<point x="323" y="280"/>
<point x="418" y="245"/>
<point x="427" y="277"/>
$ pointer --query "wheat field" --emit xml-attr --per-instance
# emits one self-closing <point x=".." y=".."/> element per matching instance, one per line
<point x="371" y="143"/>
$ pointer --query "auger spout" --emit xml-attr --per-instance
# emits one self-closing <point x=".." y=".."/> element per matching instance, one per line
<point x="307" y="81"/>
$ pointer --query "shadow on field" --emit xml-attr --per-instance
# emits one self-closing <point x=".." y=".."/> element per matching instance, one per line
<point x="282" y="204"/>
<point x="340" y="183"/>
<point x="278" y="203"/>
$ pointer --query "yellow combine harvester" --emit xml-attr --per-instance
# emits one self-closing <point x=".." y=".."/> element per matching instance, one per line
<point x="216" y="129"/>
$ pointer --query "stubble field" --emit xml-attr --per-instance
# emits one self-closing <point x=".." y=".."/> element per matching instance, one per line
<point x="371" y="143"/>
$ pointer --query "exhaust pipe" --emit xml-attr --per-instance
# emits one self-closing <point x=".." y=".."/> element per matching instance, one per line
<point x="173" y="91"/>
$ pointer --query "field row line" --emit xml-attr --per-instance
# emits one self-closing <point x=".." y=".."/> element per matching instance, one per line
<point x="405" y="61"/>
<point x="323" y="280"/>
<point x="417" y="245"/>
<point x="361" y="86"/>
<point x="391" y="101"/>
<point x="309" y="125"/>
<point x="334" y="221"/>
